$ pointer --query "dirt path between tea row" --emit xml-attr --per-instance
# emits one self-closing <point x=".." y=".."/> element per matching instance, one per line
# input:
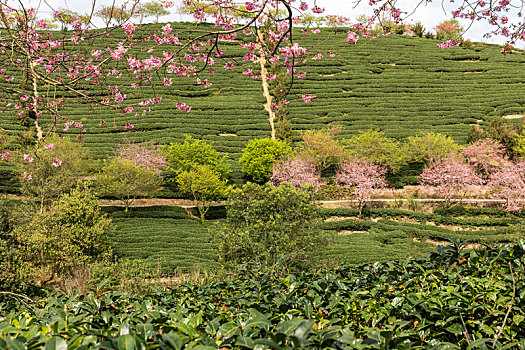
<point x="342" y="203"/>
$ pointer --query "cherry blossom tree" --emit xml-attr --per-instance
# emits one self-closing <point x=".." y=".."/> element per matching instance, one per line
<point x="363" y="176"/>
<point x="487" y="156"/>
<point x="451" y="177"/>
<point x="508" y="183"/>
<point x="143" y="155"/>
<point x="296" y="172"/>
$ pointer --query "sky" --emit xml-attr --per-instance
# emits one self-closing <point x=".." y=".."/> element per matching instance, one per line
<point x="430" y="14"/>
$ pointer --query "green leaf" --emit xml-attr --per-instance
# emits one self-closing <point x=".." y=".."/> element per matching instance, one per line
<point x="397" y="301"/>
<point x="268" y="343"/>
<point x="56" y="343"/>
<point x="173" y="339"/>
<point x="245" y="341"/>
<point x="288" y="327"/>
<point x="15" y="344"/>
<point x="228" y="329"/>
<point x="478" y="342"/>
<point x="456" y="328"/>
<point x="124" y="329"/>
<point x="517" y="319"/>
<point x="126" y="342"/>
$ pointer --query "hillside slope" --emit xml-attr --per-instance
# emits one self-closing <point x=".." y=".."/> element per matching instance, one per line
<point x="399" y="84"/>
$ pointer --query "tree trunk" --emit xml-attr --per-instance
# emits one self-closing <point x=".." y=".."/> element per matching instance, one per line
<point x="266" y="91"/>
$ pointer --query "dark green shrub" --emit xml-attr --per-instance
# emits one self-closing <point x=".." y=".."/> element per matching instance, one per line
<point x="268" y="228"/>
<point x="418" y="29"/>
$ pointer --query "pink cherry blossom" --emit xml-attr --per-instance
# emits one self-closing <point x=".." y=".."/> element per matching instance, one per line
<point x="352" y="37"/>
<point x="27" y="158"/>
<point x="451" y="177"/>
<point x="296" y="172"/>
<point x="486" y="155"/>
<point x="363" y="176"/>
<point x="448" y="44"/>
<point x="5" y="155"/>
<point x="508" y="183"/>
<point x="183" y="107"/>
<point x="308" y="98"/>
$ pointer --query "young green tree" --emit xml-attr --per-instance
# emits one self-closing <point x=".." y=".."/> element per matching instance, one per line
<point x="114" y="13"/>
<point x="51" y="168"/>
<point x="126" y="181"/>
<point x="187" y="155"/>
<point x="259" y="156"/>
<point x="150" y="9"/>
<point x="375" y="147"/>
<point x="321" y="149"/>
<point x="429" y="146"/>
<point x="204" y="185"/>
<point x="68" y="235"/>
<point x="274" y="229"/>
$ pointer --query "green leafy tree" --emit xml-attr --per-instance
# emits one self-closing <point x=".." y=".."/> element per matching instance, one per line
<point x="68" y="235"/>
<point x="187" y="155"/>
<point x="259" y="156"/>
<point x="274" y="229"/>
<point x="150" y="9"/>
<point x="194" y="6"/>
<point x="519" y="144"/>
<point x="429" y="146"/>
<point x="374" y="146"/>
<point x="113" y="13"/>
<point x="205" y="186"/>
<point x="126" y="181"/>
<point x="51" y="168"/>
<point x="321" y="149"/>
<point x="311" y="20"/>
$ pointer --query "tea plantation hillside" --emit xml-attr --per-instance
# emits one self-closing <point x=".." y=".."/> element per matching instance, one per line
<point x="397" y="83"/>
<point x="177" y="242"/>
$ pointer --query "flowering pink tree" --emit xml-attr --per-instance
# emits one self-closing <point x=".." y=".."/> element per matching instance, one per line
<point x="451" y="177"/>
<point x="508" y="183"/>
<point x="296" y="172"/>
<point x="142" y="155"/>
<point x="363" y="176"/>
<point x="487" y="156"/>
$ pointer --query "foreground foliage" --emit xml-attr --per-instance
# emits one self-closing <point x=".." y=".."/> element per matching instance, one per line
<point x="452" y="300"/>
<point x="63" y="238"/>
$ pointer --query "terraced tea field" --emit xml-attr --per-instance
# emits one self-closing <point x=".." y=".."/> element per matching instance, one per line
<point x="397" y="83"/>
<point x="167" y="236"/>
